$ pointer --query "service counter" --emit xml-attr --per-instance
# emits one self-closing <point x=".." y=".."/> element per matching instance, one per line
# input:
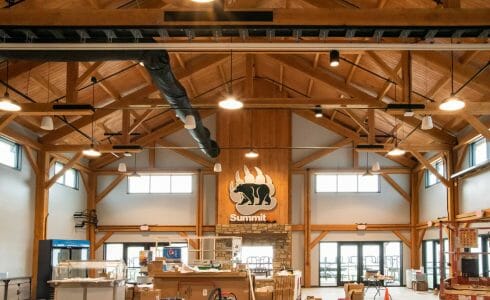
<point x="88" y="289"/>
<point x="198" y="285"/>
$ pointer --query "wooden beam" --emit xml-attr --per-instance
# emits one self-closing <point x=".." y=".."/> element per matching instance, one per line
<point x="282" y="16"/>
<point x="461" y="157"/>
<point x="41" y="206"/>
<point x="318" y="239"/>
<point x="61" y="158"/>
<point x="353" y="68"/>
<point x="47" y="86"/>
<point x="421" y="237"/>
<point x="187" y="154"/>
<point x="92" y="208"/>
<point x="89" y="71"/>
<point x="356" y="120"/>
<point x="66" y="167"/>
<point x="476" y="124"/>
<point x="406" y="75"/>
<point x="431" y="168"/>
<point x="103" y="239"/>
<point x="192" y="243"/>
<point x="6" y="120"/>
<point x="397" y="187"/>
<point x="109" y="188"/>
<point x="154" y="228"/>
<point x="452" y="3"/>
<point x="321" y="153"/>
<point x="126" y="120"/>
<point x="403" y="238"/>
<point x="391" y="73"/>
<point x="328" y="124"/>
<point x="71" y="82"/>
<point x="32" y="161"/>
<point x="46" y="109"/>
<point x="371" y="127"/>
<point x="353" y="227"/>
<point x="381" y="3"/>
<point x="249" y="74"/>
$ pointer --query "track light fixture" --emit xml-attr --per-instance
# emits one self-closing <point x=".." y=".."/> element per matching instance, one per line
<point x="318" y="111"/>
<point x="427" y="123"/>
<point x="334" y="58"/>
<point x="190" y="122"/>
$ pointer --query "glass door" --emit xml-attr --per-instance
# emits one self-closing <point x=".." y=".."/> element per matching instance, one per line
<point x="328" y="264"/>
<point x="132" y="261"/>
<point x="371" y="262"/>
<point x="392" y="262"/>
<point x="349" y="263"/>
<point x="432" y="261"/>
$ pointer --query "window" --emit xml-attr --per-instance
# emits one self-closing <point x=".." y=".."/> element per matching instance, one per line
<point x="160" y="184"/>
<point x="430" y="178"/>
<point x="347" y="183"/>
<point x="69" y="179"/>
<point x="258" y="259"/>
<point x="478" y="152"/>
<point x="10" y="154"/>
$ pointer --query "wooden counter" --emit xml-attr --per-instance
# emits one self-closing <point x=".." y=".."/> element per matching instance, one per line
<point x="197" y="286"/>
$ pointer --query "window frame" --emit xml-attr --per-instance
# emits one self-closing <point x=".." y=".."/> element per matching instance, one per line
<point x="77" y="177"/>
<point x="18" y="154"/>
<point x="428" y="174"/>
<point x="170" y="192"/>
<point x="472" y="150"/>
<point x="346" y="192"/>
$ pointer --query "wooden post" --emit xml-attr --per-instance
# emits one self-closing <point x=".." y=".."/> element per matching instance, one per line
<point x="307" y="230"/>
<point x="414" y="220"/>
<point x="40" y="212"/>
<point x="91" y="206"/>
<point x="452" y="209"/>
<point x="199" y="208"/>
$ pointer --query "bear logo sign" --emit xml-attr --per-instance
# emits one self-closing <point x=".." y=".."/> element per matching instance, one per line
<point x="253" y="193"/>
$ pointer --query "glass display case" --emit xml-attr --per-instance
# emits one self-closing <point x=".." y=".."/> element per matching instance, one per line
<point x="89" y="270"/>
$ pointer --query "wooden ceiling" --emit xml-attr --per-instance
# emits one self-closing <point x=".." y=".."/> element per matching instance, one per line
<point x="256" y="75"/>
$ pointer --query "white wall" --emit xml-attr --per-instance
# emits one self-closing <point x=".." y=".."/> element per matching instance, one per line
<point x="17" y="188"/>
<point x="385" y="207"/>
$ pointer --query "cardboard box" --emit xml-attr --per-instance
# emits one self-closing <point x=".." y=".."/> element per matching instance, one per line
<point x="354" y="291"/>
<point x="263" y="295"/>
<point x="150" y="295"/>
<point x="420" y="286"/>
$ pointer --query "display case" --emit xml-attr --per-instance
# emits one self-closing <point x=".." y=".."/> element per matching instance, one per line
<point x="89" y="280"/>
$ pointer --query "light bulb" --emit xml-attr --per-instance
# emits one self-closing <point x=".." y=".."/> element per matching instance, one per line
<point x="230" y="103"/>
<point x="452" y="103"/>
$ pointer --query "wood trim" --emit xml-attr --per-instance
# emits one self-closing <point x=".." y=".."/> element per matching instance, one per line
<point x="66" y="167"/>
<point x="109" y="188"/>
<point x="103" y="239"/>
<point x="403" y="238"/>
<point x="397" y="187"/>
<point x="317" y="240"/>
<point x="429" y="167"/>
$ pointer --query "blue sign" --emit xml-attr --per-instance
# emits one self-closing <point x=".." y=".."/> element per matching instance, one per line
<point x="70" y="243"/>
<point x="172" y="253"/>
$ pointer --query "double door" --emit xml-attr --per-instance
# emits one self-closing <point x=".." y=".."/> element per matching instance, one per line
<point x="349" y="261"/>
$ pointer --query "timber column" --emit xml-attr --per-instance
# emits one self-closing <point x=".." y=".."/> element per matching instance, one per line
<point x="91" y="206"/>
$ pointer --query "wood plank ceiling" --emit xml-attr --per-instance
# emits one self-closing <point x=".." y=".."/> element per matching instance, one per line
<point x="292" y="75"/>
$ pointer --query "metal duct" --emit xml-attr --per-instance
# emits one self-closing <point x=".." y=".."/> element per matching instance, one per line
<point x="157" y="62"/>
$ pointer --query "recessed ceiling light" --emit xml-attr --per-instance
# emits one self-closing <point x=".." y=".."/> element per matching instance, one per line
<point x="230" y="103"/>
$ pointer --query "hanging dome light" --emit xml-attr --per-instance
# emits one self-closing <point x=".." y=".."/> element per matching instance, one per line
<point x="7" y="104"/>
<point x="427" y="123"/>
<point x="396" y="151"/>
<point x="452" y="103"/>
<point x="230" y="103"/>
<point x="217" y="168"/>
<point x="91" y="152"/>
<point x="47" y="123"/>
<point x="122" y="168"/>
<point x="251" y="154"/>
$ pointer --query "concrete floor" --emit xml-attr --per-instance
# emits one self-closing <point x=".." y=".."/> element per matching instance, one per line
<point x="397" y="293"/>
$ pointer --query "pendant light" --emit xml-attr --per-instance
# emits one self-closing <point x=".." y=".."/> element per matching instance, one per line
<point x="334" y="58"/>
<point x="427" y="123"/>
<point x="396" y="151"/>
<point x="231" y="102"/>
<point x="6" y="103"/>
<point x="368" y="172"/>
<point x="190" y="122"/>
<point x="135" y="174"/>
<point x="376" y="167"/>
<point x="122" y="168"/>
<point x="251" y="153"/>
<point x="92" y="152"/>
<point x="318" y="111"/>
<point x="47" y="121"/>
<point x="452" y="103"/>
<point x="217" y="168"/>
